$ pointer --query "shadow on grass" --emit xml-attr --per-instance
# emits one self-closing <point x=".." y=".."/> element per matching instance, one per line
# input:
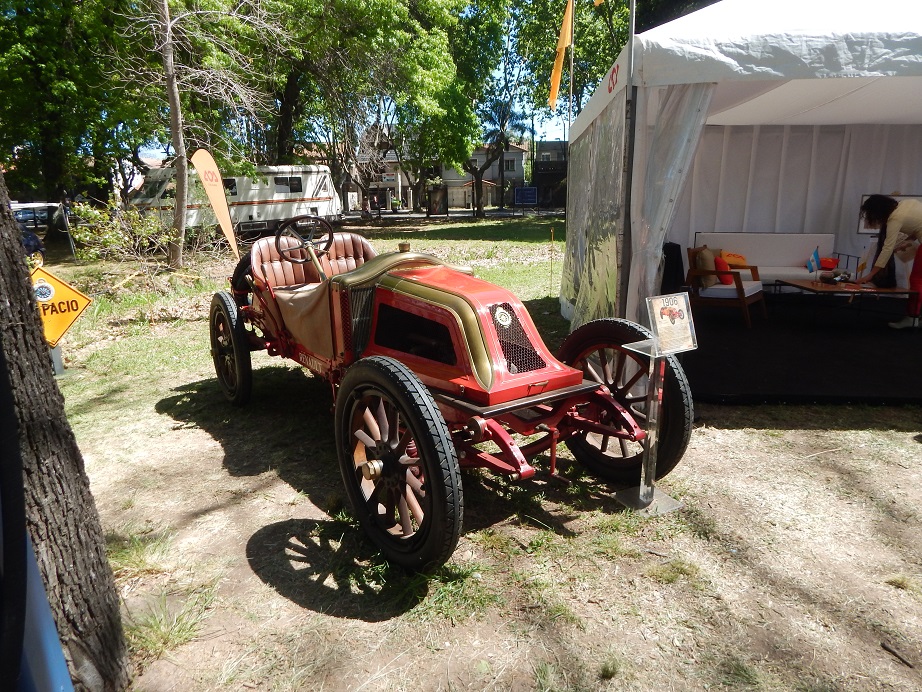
<point x="327" y="567"/>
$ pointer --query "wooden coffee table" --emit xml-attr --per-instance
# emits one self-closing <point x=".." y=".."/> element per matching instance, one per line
<point x="843" y="288"/>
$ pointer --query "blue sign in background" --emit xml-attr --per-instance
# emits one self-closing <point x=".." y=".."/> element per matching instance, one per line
<point x="526" y="196"/>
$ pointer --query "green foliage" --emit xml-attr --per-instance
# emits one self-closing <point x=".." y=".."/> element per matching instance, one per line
<point x="165" y="626"/>
<point x="600" y="31"/>
<point x="64" y="123"/>
<point x="119" y="234"/>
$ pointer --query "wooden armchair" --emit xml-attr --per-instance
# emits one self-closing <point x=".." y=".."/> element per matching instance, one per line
<point x="739" y="294"/>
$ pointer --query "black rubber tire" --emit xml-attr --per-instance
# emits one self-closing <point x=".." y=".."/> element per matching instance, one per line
<point x="403" y="411"/>
<point x="230" y="349"/>
<point x="241" y="272"/>
<point x="623" y="465"/>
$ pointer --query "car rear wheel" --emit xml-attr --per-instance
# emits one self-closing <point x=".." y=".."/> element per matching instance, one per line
<point x="230" y="349"/>
<point x="398" y="463"/>
<point x="597" y="348"/>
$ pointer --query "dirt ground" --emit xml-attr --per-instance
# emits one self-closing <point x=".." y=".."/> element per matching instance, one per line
<point x="795" y="562"/>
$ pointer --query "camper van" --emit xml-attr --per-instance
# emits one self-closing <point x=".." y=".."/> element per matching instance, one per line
<point x="257" y="205"/>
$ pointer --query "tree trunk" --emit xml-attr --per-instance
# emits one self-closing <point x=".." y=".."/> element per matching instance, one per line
<point x="289" y="101"/>
<point x="477" y="190"/>
<point x="61" y="516"/>
<point x="174" y="249"/>
<point x="502" y="177"/>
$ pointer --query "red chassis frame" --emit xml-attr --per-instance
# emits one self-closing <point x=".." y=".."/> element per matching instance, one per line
<point x="553" y="402"/>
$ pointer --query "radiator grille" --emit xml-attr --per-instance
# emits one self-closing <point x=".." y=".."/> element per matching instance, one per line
<point x="517" y="348"/>
<point x="347" y="319"/>
<point x="361" y="301"/>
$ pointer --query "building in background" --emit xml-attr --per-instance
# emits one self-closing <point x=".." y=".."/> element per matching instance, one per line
<point x="549" y="174"/>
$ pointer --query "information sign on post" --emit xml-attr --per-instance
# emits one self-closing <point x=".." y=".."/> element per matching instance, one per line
<point x="673" y="332"/>
<point x="59" y="304"/>
<point x="526" y="196"/>
<point x="672" y="324"/>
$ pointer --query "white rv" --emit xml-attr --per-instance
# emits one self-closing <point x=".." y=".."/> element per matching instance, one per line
<point x="257" y="205"/>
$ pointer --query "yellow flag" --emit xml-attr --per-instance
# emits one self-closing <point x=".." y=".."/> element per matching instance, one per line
<point x="210" y="176"/>
<point x="566" y="39"/>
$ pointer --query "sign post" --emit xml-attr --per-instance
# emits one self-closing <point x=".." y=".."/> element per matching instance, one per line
<point x="59" y="306"/>
<point x="673" y="332"/>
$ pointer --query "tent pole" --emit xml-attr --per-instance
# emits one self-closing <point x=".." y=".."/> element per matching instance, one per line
<point x="626" y="247"/>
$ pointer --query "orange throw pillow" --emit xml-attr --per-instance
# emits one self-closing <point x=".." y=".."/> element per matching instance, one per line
<point x="721" y="265"/>
<point x="734" y="259"/>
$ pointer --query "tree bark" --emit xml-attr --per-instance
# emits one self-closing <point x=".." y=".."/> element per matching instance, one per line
<point x="61" y="516"/>
<point x="502" y="175"/>
<point x="289" y="100"/>
<point x="175" y="246"/>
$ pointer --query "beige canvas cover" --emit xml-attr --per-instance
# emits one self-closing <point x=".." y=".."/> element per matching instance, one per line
<point x="306" y="312"/>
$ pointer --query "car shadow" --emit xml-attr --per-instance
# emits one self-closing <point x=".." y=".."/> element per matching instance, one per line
<point x="287" y="429"/>
<point x="326" y="566"/>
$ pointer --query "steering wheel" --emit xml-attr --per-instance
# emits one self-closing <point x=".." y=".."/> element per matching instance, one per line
<point x="309" y="232"/>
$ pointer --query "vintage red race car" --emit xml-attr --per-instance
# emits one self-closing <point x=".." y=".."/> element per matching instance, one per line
<point x="672" y="313"/>
<point x="433" y="370"/>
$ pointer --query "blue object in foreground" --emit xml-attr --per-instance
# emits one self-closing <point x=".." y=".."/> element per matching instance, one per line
<point x="43" y="666"/>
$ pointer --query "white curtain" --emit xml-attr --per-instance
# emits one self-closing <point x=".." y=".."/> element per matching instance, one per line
<point x="796" y="179"/>
<point x="595" y="220"/>
<point x="670" y="120"/>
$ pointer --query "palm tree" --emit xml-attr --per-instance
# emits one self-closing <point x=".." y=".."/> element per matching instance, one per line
<point x="503" y="125"/>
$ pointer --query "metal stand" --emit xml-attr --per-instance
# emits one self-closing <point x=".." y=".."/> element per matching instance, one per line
<point x="644" y="498"/>
<point x="57" y="360"/>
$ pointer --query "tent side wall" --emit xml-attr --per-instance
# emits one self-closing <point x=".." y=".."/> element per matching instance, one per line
<point x="671" y="118"/>
<point x="669" y="124"/>
<point x="796" y="179"/>
<point x="595" y="217"/>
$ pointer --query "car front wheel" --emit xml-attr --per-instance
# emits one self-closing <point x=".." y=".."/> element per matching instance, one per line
<point x="398" y="463"/>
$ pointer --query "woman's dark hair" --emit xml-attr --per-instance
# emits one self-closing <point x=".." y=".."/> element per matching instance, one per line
<point x="877" y="209"/>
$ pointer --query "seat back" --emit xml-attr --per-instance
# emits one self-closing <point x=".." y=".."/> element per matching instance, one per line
<point x="348" y="251"/>
<point x="270" y="268"/>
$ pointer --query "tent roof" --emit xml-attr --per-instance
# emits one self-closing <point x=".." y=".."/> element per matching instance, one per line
<point x="786" y="62"/>
<point x="783" y="39"/>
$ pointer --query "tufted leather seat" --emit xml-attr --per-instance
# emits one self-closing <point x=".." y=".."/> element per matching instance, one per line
<point x="348" y="251"/>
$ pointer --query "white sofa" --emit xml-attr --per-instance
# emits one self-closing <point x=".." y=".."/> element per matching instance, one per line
<point x="779" y="256"/>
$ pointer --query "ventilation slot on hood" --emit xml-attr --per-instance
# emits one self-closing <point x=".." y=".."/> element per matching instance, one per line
<point x="517" y="348"/>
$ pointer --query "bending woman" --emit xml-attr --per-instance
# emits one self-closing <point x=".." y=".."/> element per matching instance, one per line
<point x="893" y="218"/>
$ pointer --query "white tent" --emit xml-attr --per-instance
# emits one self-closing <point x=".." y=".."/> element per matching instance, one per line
<point x="750" y="116"/>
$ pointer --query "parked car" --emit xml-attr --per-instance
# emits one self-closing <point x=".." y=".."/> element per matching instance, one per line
<point x="39" y="217"/>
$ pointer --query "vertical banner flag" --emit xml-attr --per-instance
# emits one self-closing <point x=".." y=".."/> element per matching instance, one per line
<point x="566" y="39"/>
<point x="813" y="264"/>
<point x="210" y="176"/>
